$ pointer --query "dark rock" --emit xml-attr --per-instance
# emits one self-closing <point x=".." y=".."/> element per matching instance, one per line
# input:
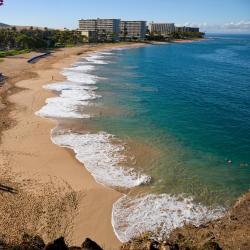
<point x="211" y="245"/>
<point x="3" y="245"/>
<point x="32" y="242"/>
<point x="174" y="247"/>
<point x="88" y="244"/>
<point x="152" y="245"/>
<point x="58" y="244"/>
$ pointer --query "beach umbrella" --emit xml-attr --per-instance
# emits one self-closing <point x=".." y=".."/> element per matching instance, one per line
<point x="1" y="2"/>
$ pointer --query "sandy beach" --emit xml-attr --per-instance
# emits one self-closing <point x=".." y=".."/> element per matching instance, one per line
<point x="44" y="189"/>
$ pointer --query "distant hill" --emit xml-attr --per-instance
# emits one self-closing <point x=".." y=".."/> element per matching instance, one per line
<point x="18" y="27"/>
<point x="3" y="25"/>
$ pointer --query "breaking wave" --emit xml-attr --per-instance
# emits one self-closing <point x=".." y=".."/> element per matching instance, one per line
<point x="157" y="213"/>
<point x="102" y="158"/>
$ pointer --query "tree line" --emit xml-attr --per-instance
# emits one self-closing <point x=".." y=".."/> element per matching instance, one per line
<point x="174" y="35"/>
<point x="31" y="38"/>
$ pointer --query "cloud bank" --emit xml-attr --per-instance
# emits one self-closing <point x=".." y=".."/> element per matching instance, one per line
<point x="232" y="27"/>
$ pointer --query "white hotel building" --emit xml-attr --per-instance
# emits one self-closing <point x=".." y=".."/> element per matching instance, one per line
<point x="162" y="28"/>
<point x="109" y="27"/>
<point x="133" y="29"/>
<point x="112" y="29"/>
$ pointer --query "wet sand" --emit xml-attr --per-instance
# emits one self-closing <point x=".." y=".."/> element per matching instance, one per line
<point x="37" y="168"/>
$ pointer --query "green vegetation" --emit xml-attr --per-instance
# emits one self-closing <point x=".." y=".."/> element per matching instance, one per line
<point x="13" y="41"/>
<point x="175" y="36"/>
<point x="187" y="35"/>
<point x="13" y="52"/>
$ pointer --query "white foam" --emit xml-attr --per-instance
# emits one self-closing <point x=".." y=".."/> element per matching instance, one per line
<point x="80" y="77"/>
<point x="58" y="107"/>
<point x="81" y="68"/>
<point x="79" y="95"/>
<point x="68" y="85"/>
<point x="157" y="213"/>
<point x="106" y="53"/>
<point x="96" y="58"/>
<point x="102" y="158"/>
<point x="72" y="96"/>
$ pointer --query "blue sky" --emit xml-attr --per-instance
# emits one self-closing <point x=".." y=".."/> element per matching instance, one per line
<point x="210" y="15"/>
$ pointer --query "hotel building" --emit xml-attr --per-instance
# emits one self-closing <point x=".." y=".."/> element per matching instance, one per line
<point x="105" y="29"/>
<point x="186" y="29"/>
<point x="162" y="28"/>
<point x="133" y="29"/>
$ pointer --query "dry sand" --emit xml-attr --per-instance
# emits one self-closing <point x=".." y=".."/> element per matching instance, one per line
<point x="48" y="191"/>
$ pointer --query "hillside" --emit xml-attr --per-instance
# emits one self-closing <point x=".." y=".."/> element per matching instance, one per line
<point x="3" y="25"/>
<point x="19" y="27"/>
<point x="230" y="232"/>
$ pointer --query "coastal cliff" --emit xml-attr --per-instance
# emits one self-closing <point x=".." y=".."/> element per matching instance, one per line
<point x="229" y="232"/>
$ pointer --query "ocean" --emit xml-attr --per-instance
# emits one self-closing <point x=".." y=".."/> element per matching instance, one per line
<point x="166" y="125"/>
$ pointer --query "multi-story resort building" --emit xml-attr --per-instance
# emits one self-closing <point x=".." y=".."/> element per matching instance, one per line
<point x="133" y="29"/>
<point x="163" y="29"/>
<point x="102" y="29"/>
<point x="186" y="29"/>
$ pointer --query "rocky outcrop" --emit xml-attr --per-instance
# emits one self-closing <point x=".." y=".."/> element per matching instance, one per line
<point x="88" y="244"/>
<point x="229" y="232"/>
<point x="30" y="242"/>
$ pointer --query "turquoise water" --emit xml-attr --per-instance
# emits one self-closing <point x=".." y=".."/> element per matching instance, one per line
<point x="183" y="109"/>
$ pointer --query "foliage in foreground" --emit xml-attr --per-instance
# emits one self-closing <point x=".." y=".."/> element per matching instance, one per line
<point x="15" y="40"/>
<point x="13" y="52"/>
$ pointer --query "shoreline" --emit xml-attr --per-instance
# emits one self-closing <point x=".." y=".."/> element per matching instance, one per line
<point x="125" y="209"/>
<point x="32" y="155"/>
<point x="178" y="41"/>
<point x="189" y="40"/>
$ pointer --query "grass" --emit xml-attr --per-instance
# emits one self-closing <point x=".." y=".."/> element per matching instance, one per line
<point x="13" y="52"/>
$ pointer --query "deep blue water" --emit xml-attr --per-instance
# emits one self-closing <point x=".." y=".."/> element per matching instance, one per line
<point x="185" y="108"/>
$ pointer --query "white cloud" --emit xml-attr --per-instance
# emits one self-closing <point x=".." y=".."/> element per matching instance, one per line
<point x="232" y="27"/>
<point x="242" y="25"/>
